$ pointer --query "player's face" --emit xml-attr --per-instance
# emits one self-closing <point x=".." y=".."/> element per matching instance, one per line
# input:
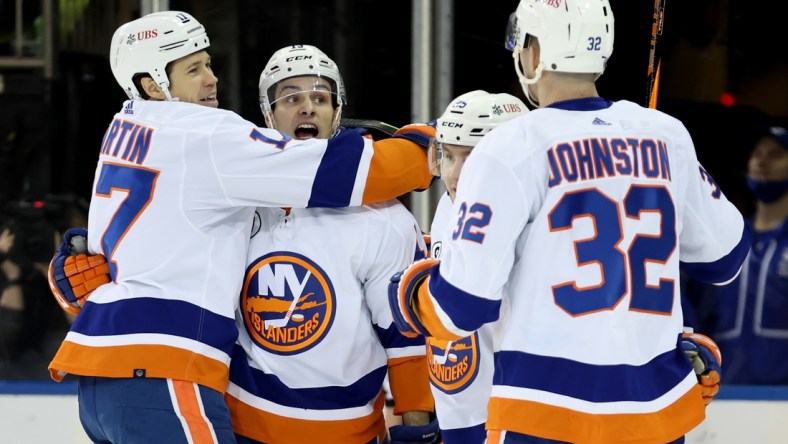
<point x="192" y="80"/>
<point x="452" y="159"/>
<point x="303" y="108"/>
<point x="768" y="161"/>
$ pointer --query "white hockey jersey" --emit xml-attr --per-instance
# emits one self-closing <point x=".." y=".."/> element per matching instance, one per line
<point x="580" y="216"/>
<point x="172" y="208"/>
<point x="461" y="371"/>
<point x="316" y="333"/>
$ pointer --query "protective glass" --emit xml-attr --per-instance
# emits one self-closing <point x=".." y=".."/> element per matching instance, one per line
<point x="297" y="90"/>
<point x="452" y="159"/>
<point x="435" y="157"/>
<point x="512" y="31"/>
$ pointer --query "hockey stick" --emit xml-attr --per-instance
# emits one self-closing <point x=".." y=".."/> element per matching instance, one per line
<point x="654" y="62"/>
<point x="374" y="125"/>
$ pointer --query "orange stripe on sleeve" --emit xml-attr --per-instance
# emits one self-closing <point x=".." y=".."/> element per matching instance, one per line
<point x="563" y="424"/>
<point x="493" y="437"/>
<point x="410" y="385"/>
<point x="429" y="318"/>
<point x="189" y="409"/>
<point x="398" y="166"/>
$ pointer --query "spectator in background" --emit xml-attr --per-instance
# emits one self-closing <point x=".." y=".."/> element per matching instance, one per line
<point x="31" y="326"/>
<point x="11" y="304"/>
<point x="749" y="316"/>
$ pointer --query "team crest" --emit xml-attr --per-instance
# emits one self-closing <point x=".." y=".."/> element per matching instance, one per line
<point x="288" y="303"/>
<point x="453" y="364"/>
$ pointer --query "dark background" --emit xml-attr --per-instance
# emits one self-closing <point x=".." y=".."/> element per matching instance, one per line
<point x="709" y="47"/>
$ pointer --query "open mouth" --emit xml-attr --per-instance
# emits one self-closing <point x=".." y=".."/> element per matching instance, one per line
<point x="209" y="101"/>
<point x="305" y="131"/>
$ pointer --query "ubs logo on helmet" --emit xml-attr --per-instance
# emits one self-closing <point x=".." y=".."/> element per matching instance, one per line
<point x="288" y="303"/>
<point x="148" y="34"/>
<point x="511" y="108"/>
<point x="453" y="364"/>
<point x="142" y="35"/>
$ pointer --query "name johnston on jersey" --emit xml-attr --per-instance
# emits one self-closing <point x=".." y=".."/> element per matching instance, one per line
<point x="602" y="157"/>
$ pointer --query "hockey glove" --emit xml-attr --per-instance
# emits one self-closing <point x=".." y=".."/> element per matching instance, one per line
<point x="73" y="274"/>
<point x="403" y="434"/>
<point x="417" y="133"/>
<point x="403" y="288"/>
<point x="706" y="359"/>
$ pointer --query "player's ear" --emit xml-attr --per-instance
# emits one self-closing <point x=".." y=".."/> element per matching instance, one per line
<point x="151" y="88"/>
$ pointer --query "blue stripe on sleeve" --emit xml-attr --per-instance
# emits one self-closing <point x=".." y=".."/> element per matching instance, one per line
<point x="163" y="316"/>
<point x="392" y="338"/>
<point x="271" y="388"/>
<point x="467" y="311"/>
<point x="466" y="435"/>
<point x="336" y="175"/>
<point x="592" y="383"/>
<point x="723" y="269"/>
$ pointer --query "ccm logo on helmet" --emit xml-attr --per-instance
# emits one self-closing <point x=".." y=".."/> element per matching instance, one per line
<point x="301" y="57"/>
<point x="452" y="124"/>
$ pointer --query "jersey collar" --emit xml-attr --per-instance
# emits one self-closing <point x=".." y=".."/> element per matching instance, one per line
<point x="585" y="104"/>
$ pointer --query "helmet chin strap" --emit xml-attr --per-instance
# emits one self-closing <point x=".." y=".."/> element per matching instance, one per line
<point x="165" y="88"/>
<point x="525" y="81"/>
<point x="337" y="118"/>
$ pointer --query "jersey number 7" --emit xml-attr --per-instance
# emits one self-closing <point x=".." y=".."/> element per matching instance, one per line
<point x="138" y="183"/>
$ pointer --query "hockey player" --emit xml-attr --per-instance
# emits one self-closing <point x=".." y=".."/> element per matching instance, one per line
<point x="461" y="371"/>
<point x="576" y="218"/>
<point x="316" y="333"/>
<point x="174" y="194"/>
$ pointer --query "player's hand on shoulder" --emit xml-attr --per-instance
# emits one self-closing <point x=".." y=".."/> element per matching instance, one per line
<point x="706" y="360"/>
<point x="403" y="289"/>
<point x="418" y="133"/>
<point x="73" y="273"/>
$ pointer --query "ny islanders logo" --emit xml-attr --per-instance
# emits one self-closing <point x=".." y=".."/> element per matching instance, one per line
<point x="453" y="364"/>
<point x="288" y="303"/>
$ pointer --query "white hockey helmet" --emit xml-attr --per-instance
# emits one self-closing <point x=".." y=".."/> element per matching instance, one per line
<point x="575" y="36"/>
<point x="469" y="117"/>
<point x="149" y="43"/>
<point x="296" y="61"/>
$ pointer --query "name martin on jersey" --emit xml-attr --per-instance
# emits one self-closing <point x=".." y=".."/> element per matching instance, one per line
<point x="600" y="158"/>
<point x="127" y="140"/>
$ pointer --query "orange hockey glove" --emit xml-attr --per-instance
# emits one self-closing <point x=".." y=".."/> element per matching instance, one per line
<point x="403" y="288"/>
<point x="73" y="274"/>
<point x="706" y="359"/>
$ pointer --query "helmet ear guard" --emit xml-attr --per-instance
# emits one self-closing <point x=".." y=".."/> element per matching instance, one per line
<point x="146" y="45"/>
<point x="297" y="61"/>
